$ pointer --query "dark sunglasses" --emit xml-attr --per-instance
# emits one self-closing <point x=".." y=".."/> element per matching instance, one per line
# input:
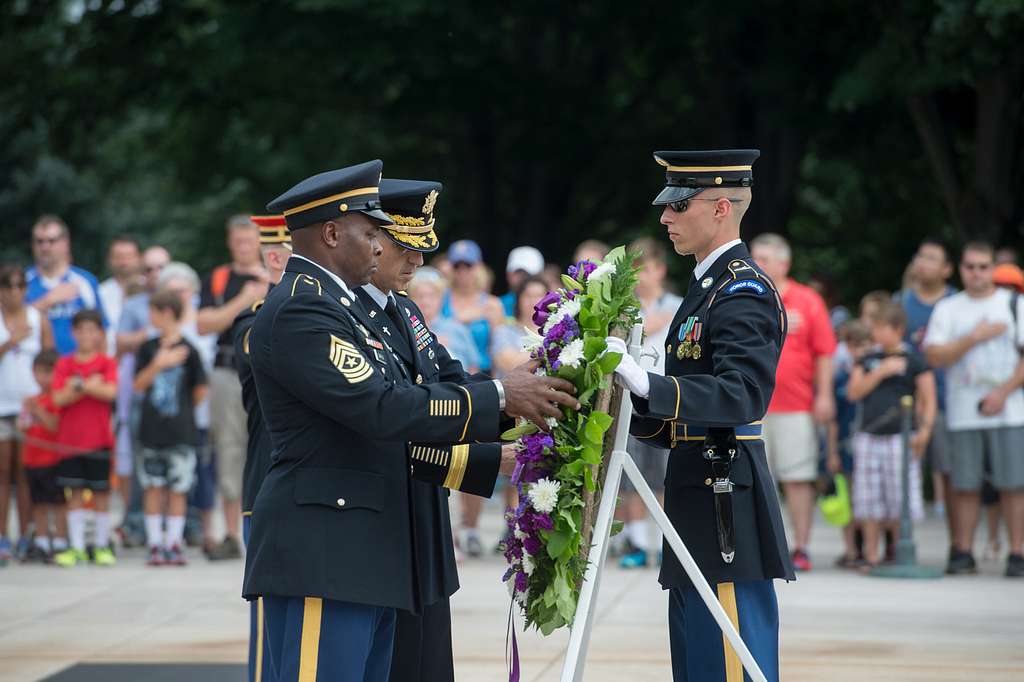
<point x="19" y="284"/>
<point x="683" y="204"/>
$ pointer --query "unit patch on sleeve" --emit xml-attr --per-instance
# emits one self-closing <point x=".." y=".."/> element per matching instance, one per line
<point x="749" y="284"/>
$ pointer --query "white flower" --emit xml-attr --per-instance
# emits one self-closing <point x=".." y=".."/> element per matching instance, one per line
<point x="532" y="340"/>
<point x="519" y="535"/>
<point x="572" y="354"/>
<point x="602" y="270"/>
<point x="567" y="309"/>
<point x="528" y="564"/>
<point x="544" y="495"/>
<point x="551" y="422"/>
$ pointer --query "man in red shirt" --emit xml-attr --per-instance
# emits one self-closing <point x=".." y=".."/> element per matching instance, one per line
<point x="803" y="398"/>
<point x="84" y="387"/>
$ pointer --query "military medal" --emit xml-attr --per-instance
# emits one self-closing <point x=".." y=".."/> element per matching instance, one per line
<point x="695" y="351"/>
<point x="685" y="345"/>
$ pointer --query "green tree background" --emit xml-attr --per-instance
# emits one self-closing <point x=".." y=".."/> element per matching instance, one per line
<point x="879" y="123"/>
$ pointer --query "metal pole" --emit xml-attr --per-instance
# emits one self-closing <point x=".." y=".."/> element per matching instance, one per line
<point x="905" y="563"/>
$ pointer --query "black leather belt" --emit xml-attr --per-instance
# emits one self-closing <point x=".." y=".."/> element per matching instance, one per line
<point x="681" y="433"/>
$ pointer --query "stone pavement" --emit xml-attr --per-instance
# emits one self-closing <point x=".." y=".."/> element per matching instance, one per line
<point x="836" y="625"/>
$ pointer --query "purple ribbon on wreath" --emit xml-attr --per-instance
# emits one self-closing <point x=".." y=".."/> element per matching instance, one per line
<point x="513" y="664"/>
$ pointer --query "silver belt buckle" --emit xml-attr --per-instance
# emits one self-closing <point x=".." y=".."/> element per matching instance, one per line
<point x="722" y="485"/>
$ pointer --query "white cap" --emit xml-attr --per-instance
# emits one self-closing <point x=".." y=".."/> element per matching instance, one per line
<point x="525" y="258"/>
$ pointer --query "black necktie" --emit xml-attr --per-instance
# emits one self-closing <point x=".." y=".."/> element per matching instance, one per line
<point x="392" y="311"/>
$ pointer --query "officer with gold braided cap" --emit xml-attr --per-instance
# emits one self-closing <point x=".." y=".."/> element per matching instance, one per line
<point x="723" y="348"/>
<point x="423" y="642"/>
<point x="332" y="549"/>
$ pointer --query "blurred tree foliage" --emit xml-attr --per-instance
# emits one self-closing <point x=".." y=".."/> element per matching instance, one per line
<point x="878" y="123"/>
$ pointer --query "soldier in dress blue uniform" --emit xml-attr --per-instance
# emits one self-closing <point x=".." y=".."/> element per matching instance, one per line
<point x="723" y="348"/>
<point x="276" y="247"/>
<point x="423" y="642"/>
<point x="332" y="548"/>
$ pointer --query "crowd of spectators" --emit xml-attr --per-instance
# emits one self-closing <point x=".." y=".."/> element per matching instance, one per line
<point x="128" y="386"/>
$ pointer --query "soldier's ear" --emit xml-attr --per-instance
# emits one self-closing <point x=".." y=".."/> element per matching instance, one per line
<point x="330" y="232"/>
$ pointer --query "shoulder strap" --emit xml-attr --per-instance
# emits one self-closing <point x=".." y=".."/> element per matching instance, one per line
<point x="219" y="283"/>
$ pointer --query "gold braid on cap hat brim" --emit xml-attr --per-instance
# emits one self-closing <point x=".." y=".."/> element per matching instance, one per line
<point x="410" y="225"/>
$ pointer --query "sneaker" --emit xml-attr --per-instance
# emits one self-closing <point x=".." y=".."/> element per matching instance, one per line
<point x="174" y="556"/>
<point x="70" y="557"/>
<point x="228" y="549"/>
<point x="36" y="555"/>
<point x="801" y="562"/>
<point x="103" y="556"/>
<point x="962" y="563"/>
<point x="637" y="559"/>
<point x="156" y="557"/>
<point x="1015" y="566"/>
<point x="473" y="547"/>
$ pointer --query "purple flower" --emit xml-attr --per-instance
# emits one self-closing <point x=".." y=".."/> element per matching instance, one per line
<point x="565" y="331"/>
<point x="522" y="582"/>
<point x="543" y="522"/>
<point x="582" y="270"/>
<point x="533" y="545"/>
<point x="544" y="307"/>
<point x="532" y="474"/>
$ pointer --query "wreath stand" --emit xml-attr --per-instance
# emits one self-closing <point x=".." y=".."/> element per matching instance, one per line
<point x="618" y="464"/>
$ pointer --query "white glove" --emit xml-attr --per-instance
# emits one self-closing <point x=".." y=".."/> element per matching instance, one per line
<point x="631" y="375"/>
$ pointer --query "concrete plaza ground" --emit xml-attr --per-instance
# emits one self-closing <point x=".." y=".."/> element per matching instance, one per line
<point x="836" y="625"/>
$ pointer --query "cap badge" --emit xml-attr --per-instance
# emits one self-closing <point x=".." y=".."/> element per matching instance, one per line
<point x="428" y="205"/>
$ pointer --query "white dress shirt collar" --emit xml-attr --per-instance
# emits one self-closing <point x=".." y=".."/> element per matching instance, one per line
<point x="378" y="296"/>
<point x="705" y="265"/>
<point x="339" y="280"/>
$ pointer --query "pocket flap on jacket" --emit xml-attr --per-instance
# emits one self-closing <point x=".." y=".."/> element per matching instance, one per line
<point x="340" y="489"/>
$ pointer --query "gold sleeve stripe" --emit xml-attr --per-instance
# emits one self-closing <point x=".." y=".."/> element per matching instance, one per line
<point x="469" y="412"/>
<point x="460" y="457"/>
<point x="733" y="665"/>
<point x="438" y="456"/>
<point x="677" y="397"/>
<point x="445" y="408"/>
<point x="309" y="651"/>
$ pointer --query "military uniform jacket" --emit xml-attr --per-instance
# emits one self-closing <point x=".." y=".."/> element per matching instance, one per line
<point x="428" y="362"/>
<point x="333" y="517"/>
<point x="740" y="327"/>
<point x="257" y="454"/>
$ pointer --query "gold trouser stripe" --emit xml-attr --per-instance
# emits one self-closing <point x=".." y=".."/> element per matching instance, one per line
<point x="677" y="397"/>
<point x="259" y="639"/>
<point x="733" y="665"/>
<point x="460" y="457"/>
<point x="310" y="648"/>
<point x="327" y="200"/>
<point x="247" y="513"/>
<point x="469" y="412"/>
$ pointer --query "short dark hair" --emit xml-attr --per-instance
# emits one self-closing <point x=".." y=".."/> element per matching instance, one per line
<point x="652" y="249"/>
<point x="938" y="243"/>
<point x="125" y="238"/>
<point x="979" y="246"/>
<point x="892" y="314"/>
<point x="9" y="270"/>
<point x="87" y="315"/>
<point x="46" y="358"/>
<point x="47" y="219"/>
<point x="532" y="279"/>
<point x="854" y="332"/>
<point x="166" y="300"/>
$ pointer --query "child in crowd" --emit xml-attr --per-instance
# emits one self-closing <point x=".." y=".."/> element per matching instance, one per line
<point x="84" y="387"/>
<point x="38" y="421"/>
<point x="880" y="380"/>
<point x="169" y="372"/>
<point x="854" y="344"/>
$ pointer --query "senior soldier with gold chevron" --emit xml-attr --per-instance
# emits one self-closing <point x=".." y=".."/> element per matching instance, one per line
<point x="332" y="549"/>
<point x="423" y="641"/>
<point x="723" y="347"/>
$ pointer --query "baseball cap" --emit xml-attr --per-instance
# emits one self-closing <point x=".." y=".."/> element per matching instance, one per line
<point x="525" y="258"/>
<point x="464" y="251"/>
